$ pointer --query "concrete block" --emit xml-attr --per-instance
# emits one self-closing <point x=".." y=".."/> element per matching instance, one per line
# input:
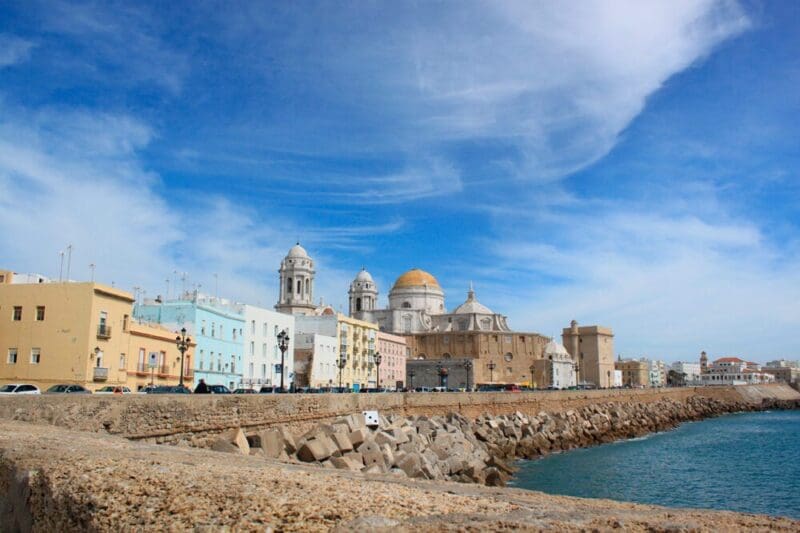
<point x="224" y="445"/>
<point x="288" y="440"/>
<point x="238" y="438"/>
<point x="383" y="437"/>
<point x="342" y="442"/>
<point x="358" y="436"/>
<point x="313" y="450"/>
<point x="272" y="442"/>
<point x="411" y="464"/>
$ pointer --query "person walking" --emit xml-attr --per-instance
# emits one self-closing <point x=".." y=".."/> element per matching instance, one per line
<point x="201" y="388"/>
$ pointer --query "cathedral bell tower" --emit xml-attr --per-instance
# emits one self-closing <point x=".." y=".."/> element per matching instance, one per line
<point x="363" y="295"/>
<point x="297" y="283"/>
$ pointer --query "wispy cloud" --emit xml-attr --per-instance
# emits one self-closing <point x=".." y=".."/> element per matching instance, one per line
<point x="14" y="50"/>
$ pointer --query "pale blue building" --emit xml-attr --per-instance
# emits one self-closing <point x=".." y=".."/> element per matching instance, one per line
<point x="215" y="325"/>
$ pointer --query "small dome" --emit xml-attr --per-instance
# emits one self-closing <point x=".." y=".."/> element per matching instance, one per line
<point x="555" y="348"/>
<point x="298" y="251"/>
<point x="472" y="305"/>
<point x="416" y="278"/>
<point x="364" y="276"/>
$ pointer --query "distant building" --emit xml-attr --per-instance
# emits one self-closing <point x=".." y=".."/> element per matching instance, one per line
<point x="593" y="349"/>
<point x="81" y="333"/>
<point x="786" y="374"/>
<point x="635" y="372"/>
<point x="735" y="371"/>
<point x="296" y="293"/>
<point x="261" y="353"/>
<point x="783" y="363"/>
<point x="617" y="378"/>
<point x="315" y="360"/>
<point x="556" y="370"/>
<point x="691" y="372"/>
<point x="394" y="353"/>
<point x="216" y="325"/>
<point x="657" y="372"/>
<point x="356" y="345"/>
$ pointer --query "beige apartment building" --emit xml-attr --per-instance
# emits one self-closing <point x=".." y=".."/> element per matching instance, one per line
<point x="394" y="353"/>
<point x="635" y="373"/>
<point x="81" y="333"/>
<point x="592" y="347"/>
<point x="357" y="343"/>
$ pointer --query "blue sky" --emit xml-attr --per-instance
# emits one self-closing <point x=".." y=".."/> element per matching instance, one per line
<point x="628" y="164"/>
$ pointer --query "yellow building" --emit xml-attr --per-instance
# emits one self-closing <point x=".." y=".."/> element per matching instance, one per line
<point x="593" y="349"/>
<point x="79" y="333"/>
<point x="144" y="340"/>
<point x="634" y="373"/>
<point x="356" y="339"/>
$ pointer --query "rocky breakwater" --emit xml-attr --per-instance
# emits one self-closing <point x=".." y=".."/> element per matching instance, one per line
<point x="453" y="447"/>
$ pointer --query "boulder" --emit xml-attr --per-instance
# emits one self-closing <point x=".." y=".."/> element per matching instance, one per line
<point x="411" y="464"/>
<point x="238" y="438"/>
<point x="272" y="442"/>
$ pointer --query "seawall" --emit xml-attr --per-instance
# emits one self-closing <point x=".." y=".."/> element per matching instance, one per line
<point x="198" y="419"/>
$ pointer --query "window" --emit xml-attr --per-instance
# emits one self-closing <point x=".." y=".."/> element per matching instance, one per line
<point x="221" y="334"/>
<point x="122" y="361"/>
<point x="141" y="366"/>
<point x="39" y="313"/>
<point x="233" y="364"/>
<point x="406" y="305"/>
<point x="203" y="327"/>
<point x="264" y="349"/>
<point x="276" y="331"/>
<point x="12" y="356"/>
<point x="213" y="329"/>
<point x="219" y="364"/>
<point x="233" y="332"/>
<point x="252" y="348"/>
<point x="17" y="316"/>
<point x="299" y="286"/>
<point x="288" y="287"/>
<point x="36" y="355"/>
<point x="250" y="373"/>
<point x="125" y="321"/>
<point x="264" y="330"/>
<point x="264" y="370"/>
<point x="508" y="357"/>
<point x="253" y="327"/>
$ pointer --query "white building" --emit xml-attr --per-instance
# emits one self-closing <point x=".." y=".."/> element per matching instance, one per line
<point x="315" y="357"/>
<point x="617" y="379"/>
<point x="782" y="363"/>
<point x="735" y="371"/>
<point x="262" y="356"/>
<point x="559" y="368"/>
<point x="691" y="371"/>
<point x="657" y="372"/>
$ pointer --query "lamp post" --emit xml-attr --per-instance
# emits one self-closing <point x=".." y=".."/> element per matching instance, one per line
<point x="341" y="363"/>
<point x="378" y="359"/>
<point x="533" y="373"/>
<point x="182" y="341"/>
<point x="283" y="344"/>
<point x="410" y="379"/>
<point x="468" y="368"/>
<point x="577" y="367"/>
<point x="491" y="366"/>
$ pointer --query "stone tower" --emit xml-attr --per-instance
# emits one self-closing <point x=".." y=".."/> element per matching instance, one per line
<point x="363" y="294"/>
<point x="703" y="362"/>
<point x="297" y="283"/>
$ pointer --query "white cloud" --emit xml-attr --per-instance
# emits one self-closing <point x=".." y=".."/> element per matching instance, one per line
<point x="13" y="50"/>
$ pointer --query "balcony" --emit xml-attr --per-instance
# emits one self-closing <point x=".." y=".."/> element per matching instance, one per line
<point x="100" y="374"/>
<point x="103" y="331"/>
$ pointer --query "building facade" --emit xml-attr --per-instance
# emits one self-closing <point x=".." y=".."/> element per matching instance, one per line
<point x="394" y="353"/>
<point x="557" y="370"/>
<point x="691" y="372"/>
<point x="79" y="333"/>
<point x="592" y="347"/>
<point x="735" y="371"/>
<point x="635" y="372"/>
<point x="315" y="361"/>
<point x="262" y="355"/>
<point x="216" y="326"/>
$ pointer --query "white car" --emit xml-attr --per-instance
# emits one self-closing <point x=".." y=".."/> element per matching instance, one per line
<point x="19" y="388"/>
<point x="111" y="389"/>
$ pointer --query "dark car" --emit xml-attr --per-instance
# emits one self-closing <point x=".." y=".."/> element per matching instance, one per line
<point x="271" y="390"/>
<point x="169" y="389"/>
<point x="67" y="389"/>
<point x="245" y="391"/>
<point x="218" y="389"/>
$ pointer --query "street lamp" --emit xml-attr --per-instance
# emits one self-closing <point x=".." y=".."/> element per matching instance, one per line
<point x="341" y="363"/>
<point x="577" y="367"/>
<point x="533" y="373"/>
<point x="410" y="379"/>
<point x="491" y="366"/>
<point x="378" y="359"/>
<point x="283" y="344"/>
<point x="182" y="341"/>
<point x="468" y="368"/>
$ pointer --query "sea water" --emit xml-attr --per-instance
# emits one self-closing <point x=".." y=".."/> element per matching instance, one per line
<point x="748" y="462"/>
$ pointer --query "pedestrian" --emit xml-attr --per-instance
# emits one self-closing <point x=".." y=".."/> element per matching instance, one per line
<point x="201" y="388"/>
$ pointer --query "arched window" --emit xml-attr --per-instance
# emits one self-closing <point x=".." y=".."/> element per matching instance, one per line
<point x="406" y="305"/>
<point x="308" y="286"/>
<point x="446" y="356"/>
<point x="358" y="304"/>
<point x="422" y="356"/>
<point x="508" y="357"/>
<point x="299" y="286"/>
<point x="288" y="286"/>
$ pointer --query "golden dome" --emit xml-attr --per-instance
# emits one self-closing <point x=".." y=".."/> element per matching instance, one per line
<point x="416" y="278"/>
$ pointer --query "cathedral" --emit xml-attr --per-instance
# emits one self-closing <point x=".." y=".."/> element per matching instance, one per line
<point x="416" y="305"/>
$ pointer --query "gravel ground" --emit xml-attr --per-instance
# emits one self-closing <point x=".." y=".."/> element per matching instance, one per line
<point x="59" y="480"/>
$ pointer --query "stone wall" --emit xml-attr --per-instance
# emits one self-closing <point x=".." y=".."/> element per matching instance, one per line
<point x="172" y="418"/>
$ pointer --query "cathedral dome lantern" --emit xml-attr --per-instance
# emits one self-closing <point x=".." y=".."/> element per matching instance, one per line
<point x="296" y="294"/>
<point x="472" y="305"/>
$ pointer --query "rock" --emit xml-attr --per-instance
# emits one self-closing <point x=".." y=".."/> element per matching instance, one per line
<point x="313" y="450"/>
<point x="224" y="445"/>
<point x="411" y="464"/>
<point x="342" y="442"/>
<point x="346" y="463"/>
<point x="358" y="436"/>
<point x="273" y="443"/>
<point x="239" y="439"/>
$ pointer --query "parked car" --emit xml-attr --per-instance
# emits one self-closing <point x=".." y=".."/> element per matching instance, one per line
<point x="245" y="391"/>
<point x="19" y="388"/>
<point x="218" y="389"/>
<point x="112" y="389"/>
<point x="67" y="389"/>
<point x="267" y="389"/>
<point x="168" y="389"/>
